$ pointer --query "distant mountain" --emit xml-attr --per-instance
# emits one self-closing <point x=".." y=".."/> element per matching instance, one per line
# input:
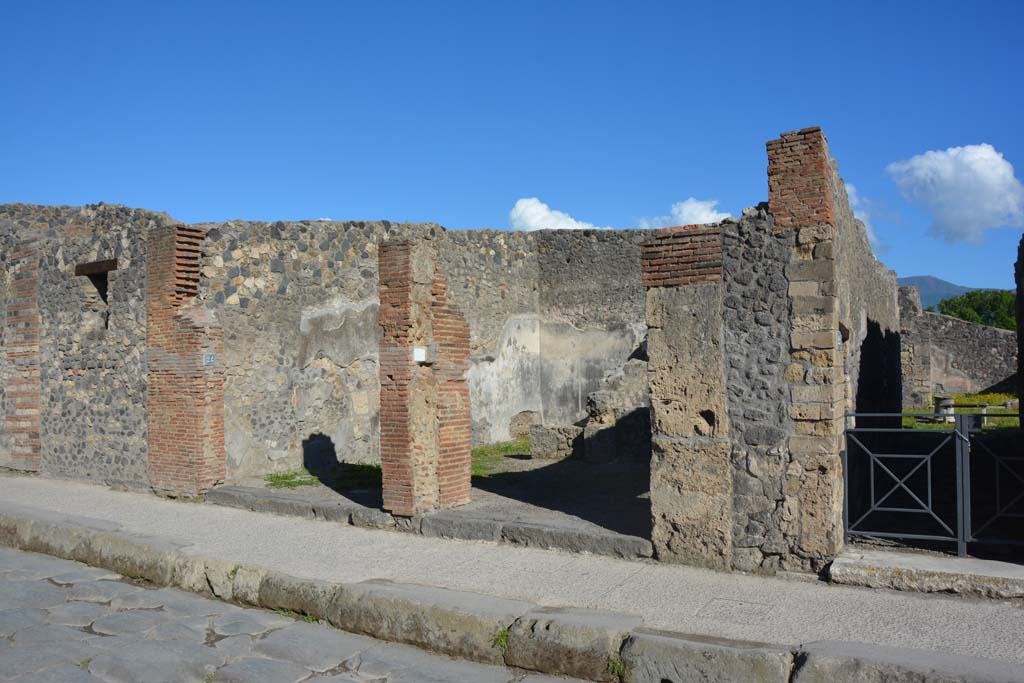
<point x="933" y="290"/>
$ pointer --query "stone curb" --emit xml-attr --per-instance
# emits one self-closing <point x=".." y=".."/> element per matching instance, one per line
<point x="443" y="524"/>
<point x="912" y="573"/>
<point x="587" y="644"/>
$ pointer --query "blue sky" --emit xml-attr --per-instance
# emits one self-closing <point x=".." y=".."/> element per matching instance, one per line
<point x="452" y="112"/>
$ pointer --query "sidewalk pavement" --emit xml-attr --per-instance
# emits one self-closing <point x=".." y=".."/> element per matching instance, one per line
<point x="678" y="598"/>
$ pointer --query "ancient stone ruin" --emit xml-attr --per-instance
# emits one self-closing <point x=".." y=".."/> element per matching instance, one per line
<point x="144" y="353"/>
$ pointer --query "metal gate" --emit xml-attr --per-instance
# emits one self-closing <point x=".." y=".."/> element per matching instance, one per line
<point x="962" y="484"/>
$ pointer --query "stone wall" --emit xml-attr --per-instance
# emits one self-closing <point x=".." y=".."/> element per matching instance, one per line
<point x="92" y="353"/>
<point x="298" y="305"/>
<point x="691" y="474"/>
<point x="944" y="355"/>
<point x="756" y="330"/>
<point x="869" y="317"/>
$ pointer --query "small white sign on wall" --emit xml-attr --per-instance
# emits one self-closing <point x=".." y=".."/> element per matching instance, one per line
<point x="419" y="354"/>
<point x="209" y="359"/>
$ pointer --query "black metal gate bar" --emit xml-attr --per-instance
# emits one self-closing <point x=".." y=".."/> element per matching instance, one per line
<point x="965" y="434"/>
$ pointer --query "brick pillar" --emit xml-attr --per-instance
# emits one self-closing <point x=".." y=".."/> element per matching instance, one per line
<point x="802" y="188"/>
<point x="21" y="348"/>
<point x="424" y="403"/>
<point x="185" y="405"/>
<point x="691" y="472"/>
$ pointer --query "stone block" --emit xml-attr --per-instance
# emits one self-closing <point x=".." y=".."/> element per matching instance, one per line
<point x="691" y="492"/>
<point x="555" y="443"/>
<point x="305" y="596"/>
<point x="570" y="642"/>
<point x="831" y="661"/>
<point x="450" y="622"/>
<point x="576" y="540"/>
<point x="455" y="524"/>
<point x="814" y="270"/>
<point x="659" y="657"/>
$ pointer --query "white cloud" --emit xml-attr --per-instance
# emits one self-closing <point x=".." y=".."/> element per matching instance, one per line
<point x="533" y="214"/>
<point x="690" y="211"/>
<point x="966" y="189"/>
<point x="862" y="212"/>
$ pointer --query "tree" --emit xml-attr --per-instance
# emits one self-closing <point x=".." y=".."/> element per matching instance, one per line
<point x="993" y="307"/>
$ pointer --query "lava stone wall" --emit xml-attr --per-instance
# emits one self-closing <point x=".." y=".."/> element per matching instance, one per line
<point x="92" y="356"/>
<point x="755" y="310"/>
<point x="942" y="354"/>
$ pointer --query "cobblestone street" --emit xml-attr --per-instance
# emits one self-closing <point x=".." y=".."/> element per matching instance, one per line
<point x="65" y="622"/>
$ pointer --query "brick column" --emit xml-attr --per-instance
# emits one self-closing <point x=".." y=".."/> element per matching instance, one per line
<point x="185" y="404"/>
<point x="691" y="472"/>
<point x="21" y="348"/>
<point x="424" y="403"/>
<point x="802" y="188"/>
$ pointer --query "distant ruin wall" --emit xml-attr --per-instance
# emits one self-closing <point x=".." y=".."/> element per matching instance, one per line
<point x="1019" y="272"/>
<point x="946" y="355"/>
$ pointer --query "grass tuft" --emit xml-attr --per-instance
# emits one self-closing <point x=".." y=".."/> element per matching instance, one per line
<point x="501" y="640"/>
<point x="487" y="459"/>
<point x="347" y="477"/>
<point x="616" y="667"/>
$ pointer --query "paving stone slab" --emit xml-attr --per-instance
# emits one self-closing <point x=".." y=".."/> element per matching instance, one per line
<point x="260" y="670"/>
<point x="129" y="622"/>
<point x="156" y="662"/>
<point x="58" y="674"/>
<point x="235" y="647"/>
<point x="28" y="658"/>
<point x="346" y="678"/>
<point x="83" y="574"/>
<point x="311" y="645"/>
<point x="455" y="623"/>
<point x="43" y="634"/>
<point x="14" y="594"/>
<point x="176" y="601"/>
<point x="832" y="661"/>
<point x="76" y="614"/>
<point x="249" y="623"/>
<point x="100" y="591"/>
<point x="651" y="656"/>
<point x="192" y="629"/>
<point x="570" y="642"/>
<point x="14" y="620"/>
<point x="441" y="670"/>
<point x="386" y="658"/>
